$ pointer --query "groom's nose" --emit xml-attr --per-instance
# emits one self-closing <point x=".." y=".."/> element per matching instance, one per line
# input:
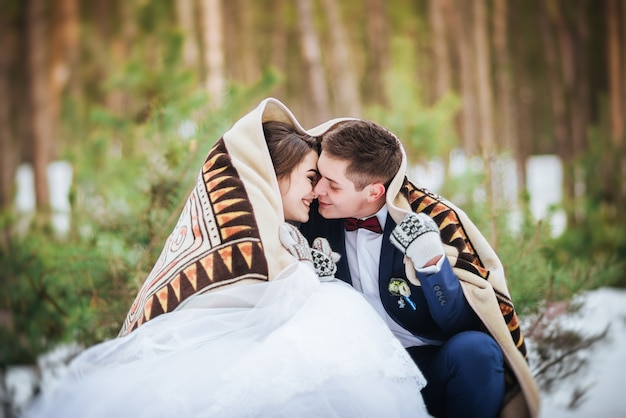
<point x="320" y="187"/>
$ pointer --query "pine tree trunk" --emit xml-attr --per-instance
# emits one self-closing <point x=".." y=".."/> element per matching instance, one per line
<point x="39" y="104"/>
<point x="441" y="53"/>
<point x="567" y="80"/>
<point x="581" y="112"/>
<point x="616" y="108"/>
<point x="8" y="156"/>
<point x="483" y="78"/>
<point x="343" y="79"/>
<point x="485" y="104"/>
<point x="557" y="99"/>
<point x="312" y="57"/>
<point x="615" y="186"/>
<point x="214" y="50"/>
<point x="469" y="116"/>
<point x="279" y="45"/>
<point x="377" y="55"/>
<point x="240" y="41"/>
<point x="185" y="13"/>
<point x="248" y="46"/>
<point x="506" y="133"/>
<point x="63" y="54"/>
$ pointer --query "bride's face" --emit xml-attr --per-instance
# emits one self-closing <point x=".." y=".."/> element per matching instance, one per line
<point x="296" y="189"/>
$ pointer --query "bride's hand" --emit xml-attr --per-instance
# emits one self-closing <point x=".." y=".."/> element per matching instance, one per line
<point x="294" y="242"/>
<point x="324" y="259"/>
<point x="321" y="257"/>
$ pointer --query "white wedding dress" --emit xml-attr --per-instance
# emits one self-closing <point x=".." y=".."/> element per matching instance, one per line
<point x="292" y="347"/>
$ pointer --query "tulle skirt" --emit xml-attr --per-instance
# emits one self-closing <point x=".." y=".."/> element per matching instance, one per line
<point x="293" y="347"/>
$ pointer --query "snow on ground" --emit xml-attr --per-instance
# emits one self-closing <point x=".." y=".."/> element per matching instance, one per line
<point x="605" y="375"/>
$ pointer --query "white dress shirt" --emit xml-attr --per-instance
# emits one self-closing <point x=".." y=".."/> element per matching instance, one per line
<point x="363" y="253"/>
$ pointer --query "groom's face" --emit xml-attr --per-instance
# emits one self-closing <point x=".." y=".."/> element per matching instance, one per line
<point x="336" y="194"/>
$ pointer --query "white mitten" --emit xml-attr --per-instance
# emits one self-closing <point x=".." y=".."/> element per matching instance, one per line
<point x="417" y="236"/>
<point x="293" y="240"/>
<point x="324" y="259"/>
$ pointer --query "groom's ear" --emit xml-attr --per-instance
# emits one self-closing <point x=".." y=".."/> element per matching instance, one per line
<point x="375" y="191"/>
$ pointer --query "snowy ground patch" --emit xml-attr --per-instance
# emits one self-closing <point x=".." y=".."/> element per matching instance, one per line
<point x="603" y="377"/>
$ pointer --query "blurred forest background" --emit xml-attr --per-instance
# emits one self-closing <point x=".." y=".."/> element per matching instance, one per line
<point x="129" y="96"/>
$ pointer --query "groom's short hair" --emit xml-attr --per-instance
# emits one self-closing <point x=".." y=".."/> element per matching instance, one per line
<point x="373" y="153"/>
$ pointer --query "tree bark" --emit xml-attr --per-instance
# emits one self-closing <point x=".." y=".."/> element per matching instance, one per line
<point x="344" y="79"/>
<point x="483" y="78"/>
<point x="312" y="57"/>
<point x="557" y="99"/>
<point x="377" y="56"/>
<point x="581" y="91"/>
<point x="506" y="105"/>
<point x="616" y="107"/>
<point x="248" y="46"/>
<point x="214" y="50"/>
<point x="63" y="55"/>
<point x="240" y="41"/>
<point x="185" y="14"/>
<point x="485" y="104"/>
<point x="8" y="155"/>
<point x="465" y="52"/>
<point x="441" y="53"/>
<point x="39" y="101"/>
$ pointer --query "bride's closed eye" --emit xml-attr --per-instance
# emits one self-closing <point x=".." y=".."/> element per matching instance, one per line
<point x="313" y="179"/>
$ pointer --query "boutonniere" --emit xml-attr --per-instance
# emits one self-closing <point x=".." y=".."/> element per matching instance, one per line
<point x="401" y="289"/>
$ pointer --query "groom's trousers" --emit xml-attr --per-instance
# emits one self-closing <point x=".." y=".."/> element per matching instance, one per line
<point x="465" y="376"/>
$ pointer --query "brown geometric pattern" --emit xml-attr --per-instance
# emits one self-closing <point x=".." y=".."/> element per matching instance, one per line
<point x="215" y="242"/>
<point x="454" y="234"/>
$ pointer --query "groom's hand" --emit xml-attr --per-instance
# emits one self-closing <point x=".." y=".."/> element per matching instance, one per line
<point x="417" y="236"/>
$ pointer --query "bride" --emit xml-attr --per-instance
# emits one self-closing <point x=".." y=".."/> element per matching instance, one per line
<point x="229" y="323"/>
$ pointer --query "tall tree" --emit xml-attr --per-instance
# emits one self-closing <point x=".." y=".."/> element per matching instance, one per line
<point x="555" y="81"/>
<point x="39" y="101"/>
<point x="213" y="44"/>
<point x="485" y="105"/>
<point x="581" y="96"/>
<point x="312" y="59"/>
<point x="344" y="77"/>
<point x="460" y="28"/>
<point x="615" y="62"/>
<point x="240" y="41"/>
<point x="483" y="77"/>
<point x="278" y="39"/>
<point x="506" y="134"/>
<point x="248" y="45"/>
<point x="185" y="14"/>
<point x="63" y="54"/>
<point x="441" y="53"/>
<point x="504" y="79"/>
<point x="615" y="166"/>
<point x="8" y="154"/>
<point x="377" y="59"/>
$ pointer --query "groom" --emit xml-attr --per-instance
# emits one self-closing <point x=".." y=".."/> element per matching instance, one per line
<point x="463" y="365"/>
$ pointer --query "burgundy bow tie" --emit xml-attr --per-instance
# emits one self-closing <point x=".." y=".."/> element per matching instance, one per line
<point x="372" y="224"/>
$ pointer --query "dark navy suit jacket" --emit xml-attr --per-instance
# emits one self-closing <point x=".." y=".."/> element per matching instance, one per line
<point x="441" y="309"/>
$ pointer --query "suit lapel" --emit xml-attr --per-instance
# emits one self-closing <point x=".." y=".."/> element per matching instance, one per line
<point x="337" y="241"/>
<point x="387" y="252"/>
